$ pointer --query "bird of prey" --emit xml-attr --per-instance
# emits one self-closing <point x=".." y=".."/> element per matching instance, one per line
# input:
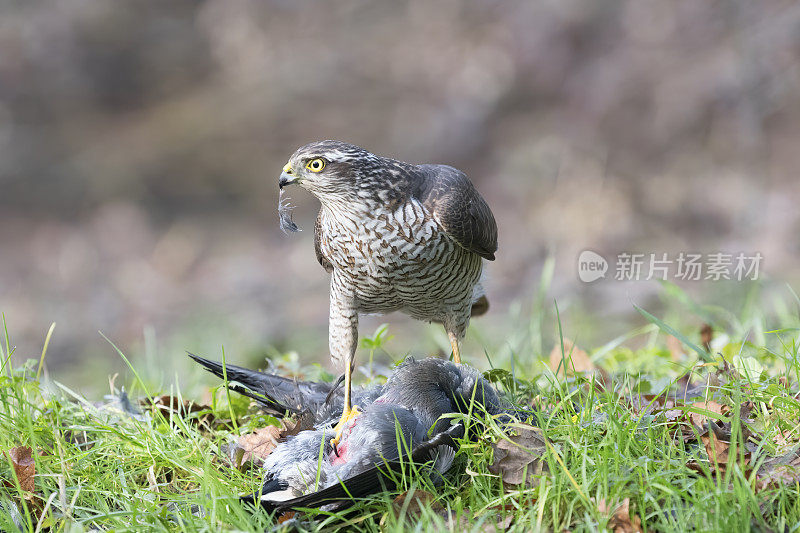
<point x="395" y="237"/>
<point x="394" y="427"/>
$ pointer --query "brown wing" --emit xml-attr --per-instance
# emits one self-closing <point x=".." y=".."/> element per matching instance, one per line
<point x="317" y="244"/>
<point x="458" y="208"/>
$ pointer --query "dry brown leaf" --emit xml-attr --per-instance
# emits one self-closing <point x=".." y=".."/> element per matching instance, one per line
<point x="699" y="419"/>
<point x="716" y="449"/>
<point x="717" y="443"/>
<point x="621" y="520"/>
<point x="253" y="448"/>
<point x="258" y="445"/>
<point x="24" y="467"/>
<point x="22" y="461"/>
<point x="678" y="414"/>
<point x="573" y="357"/>
<point x="519" y="459"/>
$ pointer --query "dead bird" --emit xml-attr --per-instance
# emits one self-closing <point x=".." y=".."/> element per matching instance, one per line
<point x="404" y="420"/>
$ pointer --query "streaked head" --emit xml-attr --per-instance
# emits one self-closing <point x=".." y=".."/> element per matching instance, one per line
<point x="327" y="167"/>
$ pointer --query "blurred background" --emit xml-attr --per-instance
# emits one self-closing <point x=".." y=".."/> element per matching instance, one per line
<point x="141" y="143"/>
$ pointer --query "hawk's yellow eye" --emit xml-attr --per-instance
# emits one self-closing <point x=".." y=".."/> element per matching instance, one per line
<point x="316" y="165"/>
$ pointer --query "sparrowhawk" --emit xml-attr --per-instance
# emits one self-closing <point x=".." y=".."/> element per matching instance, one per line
<point x="395" y="237"/>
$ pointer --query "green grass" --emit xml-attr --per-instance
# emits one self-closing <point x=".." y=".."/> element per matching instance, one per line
<point x="99" y="467"/>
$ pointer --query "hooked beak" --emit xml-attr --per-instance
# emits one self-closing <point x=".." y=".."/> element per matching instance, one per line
<point x="287" y="176"/>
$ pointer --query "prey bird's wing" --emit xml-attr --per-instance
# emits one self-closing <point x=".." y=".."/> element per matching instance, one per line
<point x="458" y="208"/>
<point x="276" y="394"/>
<point x="376" y="479"/>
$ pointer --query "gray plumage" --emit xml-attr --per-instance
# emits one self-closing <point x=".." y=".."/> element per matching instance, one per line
<point x="285" y="215"/>
<point x="402" y="418"/>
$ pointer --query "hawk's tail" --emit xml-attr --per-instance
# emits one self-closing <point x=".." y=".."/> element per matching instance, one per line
<point x="479" y="306"/>
<point x="480" y="303"/>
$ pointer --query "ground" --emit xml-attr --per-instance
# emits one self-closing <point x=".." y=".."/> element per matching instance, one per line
<point x="675" y="427"/>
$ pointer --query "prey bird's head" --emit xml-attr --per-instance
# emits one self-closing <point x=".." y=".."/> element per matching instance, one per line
<point x="331" y="169"/>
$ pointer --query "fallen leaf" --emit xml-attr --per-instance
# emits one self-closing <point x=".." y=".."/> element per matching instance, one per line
<point x="519" y="459"/>
<point x="701" y="419"/>
<point x="621" y="520"/>
<point x="573" y="357"/>
<point x="252" y="448"/>
<point x="717" y="442"/>
<point x="603" y="506"/>
<point x="716" y="449"/>
<point x="24" y="467"/>
<point x="259" y="444"/>
<point x="684" y="417"/>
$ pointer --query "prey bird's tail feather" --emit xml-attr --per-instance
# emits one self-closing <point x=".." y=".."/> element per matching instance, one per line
<point x="276" y="394"/>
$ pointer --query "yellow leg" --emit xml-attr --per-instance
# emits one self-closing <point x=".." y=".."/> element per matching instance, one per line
<point x="454" y="344"/>
<point x="349" y="412"/>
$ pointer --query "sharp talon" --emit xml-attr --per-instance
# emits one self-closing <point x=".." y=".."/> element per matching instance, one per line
<point x="335" y="449"/>
<point x="347" y="416"/>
